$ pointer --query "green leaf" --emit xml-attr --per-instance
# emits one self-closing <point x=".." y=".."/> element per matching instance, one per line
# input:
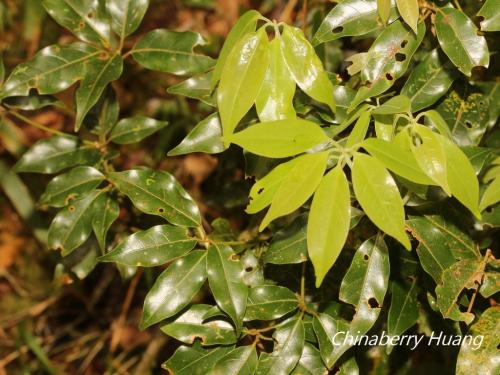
<point x="378" y="195"/>
<point x="33" y="102"/>
<point x="73" y="224"/>
<point x="289" y="245"/>
<point x="281" y="138"/>
<point x="225" y="274"/>
<point x="71" y="186"/>
<point x="396" y="104"/>
<point x="194" y="360"/>
<point x="297" y="186"/>
<point x="289" y="340"/>
<point x="268" y="302"/>
<point x="397" y="159"/>
<point x="491" y="195"/>
<point x="126" y="16"/>
<point x="351" y="18"/>
<point x="88" y="20"/>
<point x="172" y="52"/>
<point x="305" y="66"/>
<point x="428" y="149"/>
<point x="52" y="70"/>
<point x="240" y="361"/>
<point x="459" y="39"/>
<point x="325" y="328"/>
<point x="328" y="223"/>
<point x="358" y="133"/>
<point x="191" y="325"/>
<point x="149" y="248"/>
<point x="158" y="193"/>
<point x="464" y="274"/>
<point x="428" y="82"/>
<point x="98" y="73"/>
<point x="409" y="12"/>
<point x="274" y="101"/>
<point x="54" y="154"/>
<point x="197" y="87"/>
<point x="434" y="119"/>
<point x="205" y="137"/>
<point x="245" y="24"/>
<point x="483" y="358"/>
<point x="310" y="362"/>
<point x="174" y="288"/>
<point x="107" y="211"/>
<point x="403" y="312"/>
<point x="491" y="16"/>
<point x="2" y="70"/>
<point x="384" y="10"/>
<point x="103" y="116"/>
<point x="135" y="129"/>
<point x="461" y="177"/>
<point x="242" y="78"/>
<point x="491" y="280"/>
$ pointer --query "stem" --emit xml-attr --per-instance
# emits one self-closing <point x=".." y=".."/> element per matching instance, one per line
<point x="304" y="15"/>
<point x="33" y="123"/>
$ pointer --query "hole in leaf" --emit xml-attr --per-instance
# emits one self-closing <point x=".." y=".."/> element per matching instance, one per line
<point x="90" y="15"/>
<point x="260" y="190"/>
<point x="249" y="269"/>
<point x="410" y="279"/>
<point x="71" y="208"/>
<point x="161" y="210"/>
<point x="489" y="209"/>
<point x="468" y="124"/>
<point x="400" y="57"/>
<point x="366" y="257"/>
<point x="338" y="29"/>
<point x="404" y="43"/>
<point x="373" y="303"/>
<point x="389" y="76"/>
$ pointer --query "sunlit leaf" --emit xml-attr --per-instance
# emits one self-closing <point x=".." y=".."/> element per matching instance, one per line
<point x="240" y="361"/>
<point x="409" y="12"/>
<point x="268" y="302"/>
<point x="126" y="16"/>
<point x="491" y="16"/>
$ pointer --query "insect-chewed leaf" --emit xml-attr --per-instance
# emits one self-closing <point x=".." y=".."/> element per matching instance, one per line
<point x="191" y="325"/>
<point x="458" y="38"/>
<point x="172" y="52"/>
<point x="240" y="361"/>
<point x="126" y="16"/>
<point x="158" y="193"/>
<point x="135" y="129"/>
<point x="225" y="277"/>
<point x="289" y="245"/>
<point x="491" y="16"/>
<point x="409" y="12"/>
<point x="54" y="154"/>
<point x="194" y="360"/>
<point x="268" y="302"/>
<point x="107" y="211"/>
<point x="174" y="288"/>
<point x="328" y="223"/>
<point x="152" y="247"/>
<point x="281" y="138"/>
<point x="297" y="186"/>
<point x="305" y="66"/>
<point x="242" y="78"/>
<point x="378" y="195"/>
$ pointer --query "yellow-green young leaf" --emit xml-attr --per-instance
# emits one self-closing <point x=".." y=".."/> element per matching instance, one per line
<point x="384" y="10"/>
<point x="328" y="222"/>
<point x="396" y="104"/>
<point x="428" y="149"/>
<point x="263" y="191"/>
<point x="462" y="178"/>
<point x="378" y="195"/>
<point x="305" y="66"/>
<point x="242" y="78"/>
<point x="297" y="186"/>
<point x="280" y="139"/>
<point x="491" y="195"/>
<point x="436" y="120"/>
<point x="359" y="131"/>
<point x="409" y="11"/>
<point x="274" y="101"/>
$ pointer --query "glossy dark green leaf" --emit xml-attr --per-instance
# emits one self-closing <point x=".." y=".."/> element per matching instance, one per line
<point x="83" y="260"/>
<point x="328" y="223"/>
<point x="429" y="81"/>
<point x="205" y="137"/>
<point x="491" y="16"/>
<point x="274" y="101"/>
<point x="289" y="245"/>
<point x="172" y="52"/>
<point x="152" y="247"/>
<point x="305" y="66"/>
<point x="491" y="195"/>
<point x="330" y="334"/>
<point x="194" y="360"/>
<point x="73" y="224"/>
<point x="478" y="156"/>
<point x="350" y="18"/>
<point x="104" y="115"/>
<point x="71" y="186"/>
<point x="240" y="361"/>
<point x="491" y="280"/>
<point x="289" y="340"/>
<point x="197" y="87"/>
<point x="54" y="154"/>
<point x="158" y="193"/>
<point x="268" y="302"/>
<point x="190" y="326"/>
<point x="135" y="129"/>
<point x="33" y="101"/>
<point x="245" y="24"/>
<point x="225" y="273"/>
<point x="174" y="288"/>
<point x="403" y="312"/>
<point x="107" y="211"/>
<point x="378" y="195"/>
<point x="242" y="78"/>
<point x="459" y="39"/>
<point x="396" y="104"/>
<point x="297" y="186"/>
<point x="281" y="138"/>
<point x="409" y="12"/>
<point x="88" y="20"/>
<point x="96" y="76"/>
<point x="126" y="16"/>
<point x="310" y="362"/>
<point x="52" y="70"/>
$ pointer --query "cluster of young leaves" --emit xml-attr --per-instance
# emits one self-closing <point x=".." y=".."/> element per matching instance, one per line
<point x="353" y="147"/>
